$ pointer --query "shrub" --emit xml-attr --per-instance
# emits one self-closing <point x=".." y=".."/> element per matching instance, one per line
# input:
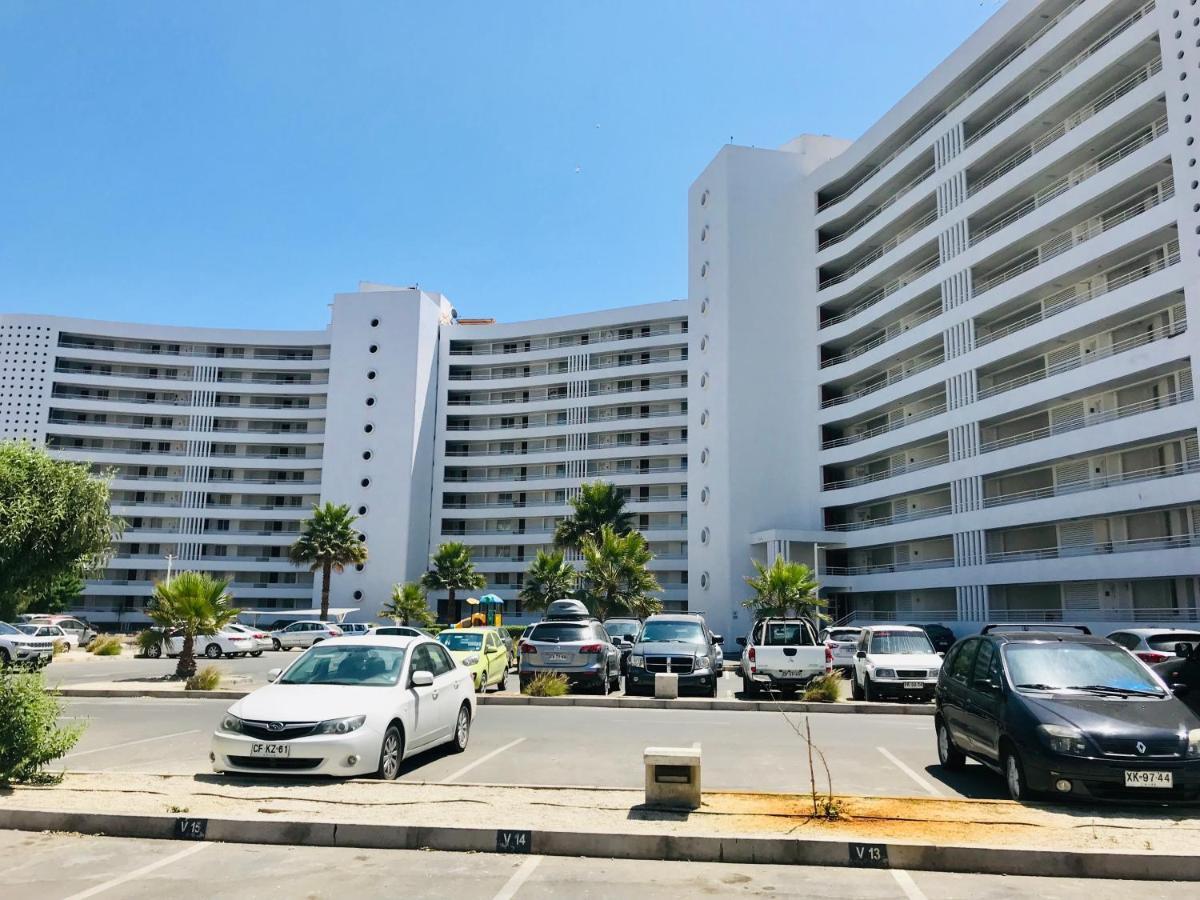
<point x="547" y="684"/>
<point x="207" y="679"/>
<point x="105" y="645"/>
<point x="825" y="689"/>
<point x="515" y="631"/>
<point x="149" y="639"/>
<point x="61" y="647"/>
<point x="30" y="736"/>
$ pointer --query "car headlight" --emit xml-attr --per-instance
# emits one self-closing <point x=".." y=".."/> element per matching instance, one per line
<point x="470" y="660"/>
<point x="1193" y="750"/>
<point x="1064" y="739"/>
<point x="340" y="726"/>
<point x="885" y="673"/>
<point x="231" y="723"/>
<point x="703" y="662"/>
<point x="637" y="662"/>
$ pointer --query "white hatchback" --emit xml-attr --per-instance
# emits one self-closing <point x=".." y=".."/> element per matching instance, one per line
<point x="304" y="634"/>
<point x="354" y="706"/>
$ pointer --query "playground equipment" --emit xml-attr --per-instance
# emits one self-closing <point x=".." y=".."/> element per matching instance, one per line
<point x="490" y="612"/>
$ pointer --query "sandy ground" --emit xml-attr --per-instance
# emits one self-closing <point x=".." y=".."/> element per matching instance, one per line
<point x="915" y="820"/>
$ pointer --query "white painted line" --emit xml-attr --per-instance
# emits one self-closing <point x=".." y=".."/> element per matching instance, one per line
<point x="925" y="785"/>
<point x="911" y="891"/>
<point x="138" y="873"/>
<point x="519" y="877"/>
<point x="479" y="762"/>
<point x="161" y="737"/>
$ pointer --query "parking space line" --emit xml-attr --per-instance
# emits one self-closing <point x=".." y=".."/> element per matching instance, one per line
<point x="467" y="768"/>
<point x="161" y="737"/>
<point x="925" y="785"/>
<point x="911" y="891"/>
<point x="519" y="877"/>
<point x="138" y="873"/>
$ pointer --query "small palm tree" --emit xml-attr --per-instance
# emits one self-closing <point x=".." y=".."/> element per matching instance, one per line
<point x="615" y="575"/>
<point x="550" y="577"/>
<point x="408" y="606"/>
<point x="328" y="543"/>
<point x="451" y="570"/>
<point x="785" y="588"/>
<point x="194" y="603"/>
<point x="597" y="504"/>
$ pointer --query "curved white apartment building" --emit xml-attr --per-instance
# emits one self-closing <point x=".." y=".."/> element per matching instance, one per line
<point x="951" y="363"/>
<point x="963" y="346"/>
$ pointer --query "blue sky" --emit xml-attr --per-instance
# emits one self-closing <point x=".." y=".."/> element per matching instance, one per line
<point x="237" y="163"/>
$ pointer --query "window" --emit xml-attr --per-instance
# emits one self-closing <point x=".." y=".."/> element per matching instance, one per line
<point x="442" y="661"/>
<point x="964" y="658"/>
<point x="983" y="662"/>
<point x="1128" y="641"/>
<point x="422" y="660"/>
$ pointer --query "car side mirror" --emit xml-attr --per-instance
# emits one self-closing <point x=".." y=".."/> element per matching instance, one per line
<point x="422" y="678"/>
<point x="273" y="675"/>
<point x="741" y="642"/>
<point x="861" y="654"/>
<point x="718" y="638"/>
<point x="1183" y="651"/>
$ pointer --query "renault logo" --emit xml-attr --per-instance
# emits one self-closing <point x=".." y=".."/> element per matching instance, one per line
<point x="1141" y="748"/>
<point x="278" y="726"/>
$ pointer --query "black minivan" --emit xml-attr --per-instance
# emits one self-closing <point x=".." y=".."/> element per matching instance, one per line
<point x="1067" y="714"/>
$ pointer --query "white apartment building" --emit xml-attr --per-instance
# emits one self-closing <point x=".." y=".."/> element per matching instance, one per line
<point x="948" y="363"/>
<point x="959" y="347"/>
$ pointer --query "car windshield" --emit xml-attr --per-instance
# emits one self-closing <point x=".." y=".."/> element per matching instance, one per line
<point x="673" y="632"/>
<point x="621" y="629"/>
<point x="460" y="641"/>
<point x="337" y="663"/>
<point x="5" y="628"/>
<point x="556" y="632"/>
<point x="1066" y="666"/>
<point x="28" y="629"/>
<point x="887" y="642"/>
<point x="1165" y="643"/>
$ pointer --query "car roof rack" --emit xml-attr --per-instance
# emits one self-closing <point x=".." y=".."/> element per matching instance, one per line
<point x="1047" y="627"/>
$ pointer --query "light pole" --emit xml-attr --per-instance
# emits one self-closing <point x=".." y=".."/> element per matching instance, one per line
<point x="170" y="559"/>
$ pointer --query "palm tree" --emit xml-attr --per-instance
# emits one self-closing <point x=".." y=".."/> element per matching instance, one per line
<point x="451" y="570"/>
<point x="615" y="576"/>
<point x="408" y="606"/>
<point x="785" y="588"/>
<point x="597" y="504"/>
<point x="194" y="603"/>
<point x="329" y="543"/>
<point x="550" y="577"/>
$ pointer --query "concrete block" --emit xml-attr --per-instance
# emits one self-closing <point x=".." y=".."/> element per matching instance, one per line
<point x="666" y="686"/>
<point x="672" y="776"/>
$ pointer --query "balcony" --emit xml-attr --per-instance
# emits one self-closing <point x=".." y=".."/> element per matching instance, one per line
<point x="73" y="342"/>
<point x="890" y="467"/>
<point x="906" y="323"/>
<point x="554" y="342"/>
<point x="881" y="250"/>
<point x="1094" y="483"/>
<point x="468" y="477"/>
<point x="890" y="420"/>
<point x="1129" y="545"/>
<point x="885" y="568"/>
<point x="880" y="380"/>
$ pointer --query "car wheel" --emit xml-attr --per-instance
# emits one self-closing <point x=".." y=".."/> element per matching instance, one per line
<point x="256" y="654"/>
<point x="316" y="641"/>
<point x="616" y="683"/>
<point x="868" y="690"/>
<point x="605" y="685"/>
<point x="390" y="754"/>
<point x="948" y="755"/>
<point x="749" y="688"/>
<point x="275" y="645"/>
<point x="462" y="729"/>
<point x="1014" y="776"/>
<point x="212" y="651"/>
<point x="479" y="686"/>
<point x="154" y="652"/>
<point x="712" y="693"/>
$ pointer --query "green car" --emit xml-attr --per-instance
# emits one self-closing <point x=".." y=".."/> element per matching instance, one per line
<point x="481" y="651"/>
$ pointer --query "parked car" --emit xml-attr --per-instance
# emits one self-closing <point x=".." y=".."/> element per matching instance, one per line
<point x="399" y="631"/>
<point x="895" y="662"/>
<point x="262" y="640"/>
<point x="214" y="646"/>
<point x="1182" y="674"/>
<point x="480" y="651"/>
<point x="624" y="632"/>
<point x="579" y="649"/>
<point x="678" y="643"/>
<point x="21" y="649"/>
<point x="53" y="632"/>
<point x="73" y="625"/>
<point x="510" y="646"/>
<point x="355" y="629"/>
<point x="1071" y="714"/>
<point x="1153" y="645"/>
<point x="782" y="654"/>
<point x="842" y="641"/>
<point x="940" y="636"/>
<point x="356" y="706"/>
<point x="303" y="634"/>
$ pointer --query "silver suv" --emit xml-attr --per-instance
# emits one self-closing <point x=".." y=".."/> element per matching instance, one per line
<point x="580" y="649"/>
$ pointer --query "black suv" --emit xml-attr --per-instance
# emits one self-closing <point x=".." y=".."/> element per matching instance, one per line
<point x="1071" y="714"/>
<point x="678" y="643"/>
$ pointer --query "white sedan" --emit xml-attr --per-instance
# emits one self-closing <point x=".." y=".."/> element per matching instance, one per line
<point x="354" y="706"/>
<point x="262" y="640"/>
<point x="214" y="646"/>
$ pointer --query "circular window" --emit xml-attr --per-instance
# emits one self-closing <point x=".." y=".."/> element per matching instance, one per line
<point x="362" y="537"/>
<point x="705" y="534"/>
<point x="374" y="323"/>
<point x="704" y="234"/>
<point x="704" y="199"/>
<point x="370" y="401"/>
<point x="704" y="417"/>
<point x="368" y="428"/>
<point x="358" y="567"/>
<point x="704" y="270"/>
<point x="704" y="495"/>
<point x="366" y="482"/>
<point x="362" y="510"/>
<point x="374" y="348"/>
<point x="370" y="375"/>
<point x="367" y="454"/>
<point x="358" y="595"/>
<point x="704" y="457"/>
<point x="704" y="380"/>
<point x="704" y="307"/>
<point x="704" y="344"/>
<point x="704" y="580"/>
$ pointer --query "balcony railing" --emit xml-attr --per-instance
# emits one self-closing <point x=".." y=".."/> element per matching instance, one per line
<point x="892" y="376"/>
<point x="1129" y="545"/>
<point x="882" y="250"/>
<point x="548" y="501"/>
<point x="932" y="411"/>
<point x="1070" y="297"/>
<point x="237" y="354"/>
<point x="886" y="291"/>
<point x="879" y="568"/>
<point x="891" y="472"/>
<point x="496" y="348"/>
<point x="456" y="452"/>
<point x="1096" y="483"/>
<point x="1108" y="415"/>
<point x="896" y="519"/>
<point x="878" y="210"/>
<point x="909" y="322"/>
<point x="598" y="420"/>
<point x="599" y="392"/>
<point x="549" y="476"/>
<point x="1039" y="614"/>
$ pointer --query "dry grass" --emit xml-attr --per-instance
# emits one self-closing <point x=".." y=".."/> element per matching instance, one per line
<point x="547" y="684"/>
<point x="825" y="689"/>
<point x="105" y="645"/>
<point x="207" y="679"/>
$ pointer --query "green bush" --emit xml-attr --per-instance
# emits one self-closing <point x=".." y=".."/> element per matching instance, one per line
<point x="30" y="736"/>
<point x="105" y="645"/>
<point x="147" y="640"/>
<point x="547" y="684"/>
<point x="825" y="689"/>
<point x="515" y="631"/>
<point x="61" y="647"/>
<point x="207" y="679"/>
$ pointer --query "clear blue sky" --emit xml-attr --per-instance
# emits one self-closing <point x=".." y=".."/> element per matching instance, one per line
<point x="237" y="163"/>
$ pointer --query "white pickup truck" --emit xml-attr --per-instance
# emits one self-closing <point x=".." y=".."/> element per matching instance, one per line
<point x="782" y="654"/>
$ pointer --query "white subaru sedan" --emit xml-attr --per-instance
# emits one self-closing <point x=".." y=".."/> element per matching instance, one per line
<point x="354" y="706"/>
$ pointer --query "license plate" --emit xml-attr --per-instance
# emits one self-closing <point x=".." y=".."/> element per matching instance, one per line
<point x="557" y="657"/>
<point x="790" y="673"/>
<point x="842" y="651"/>
<point x="1149" y="779"/>
<point x="913" y="685"/>
<point x="274" y="751"/>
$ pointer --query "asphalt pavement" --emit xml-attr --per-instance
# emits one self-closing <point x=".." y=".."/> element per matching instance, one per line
<point x="72" y="867"/>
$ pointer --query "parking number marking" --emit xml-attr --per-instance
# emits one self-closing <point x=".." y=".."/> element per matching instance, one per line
<point x="513" y="841"/>
<point x="869" y="856"/>
<point x="191" y="829"/>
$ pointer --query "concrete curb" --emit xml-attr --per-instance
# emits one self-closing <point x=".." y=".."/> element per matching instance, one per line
<point x="746" y="849"/>
<point x="790" y="706"/>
